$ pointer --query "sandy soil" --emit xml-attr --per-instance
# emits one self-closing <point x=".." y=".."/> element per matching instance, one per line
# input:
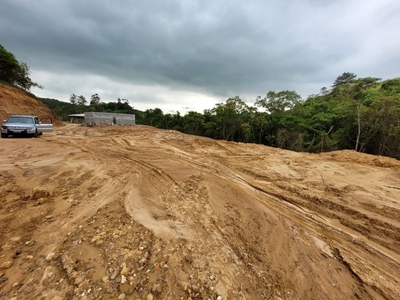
<point x="141" y="213"/>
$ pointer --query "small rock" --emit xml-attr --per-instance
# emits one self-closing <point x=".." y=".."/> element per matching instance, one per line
<point x="150" y="297"/>
<point x="184" y="285"/>
<point x="114" y="275"/>
<point x="95" y="239"/>
<point x="125" y="270"/>
<point x="40" y="201"/>
<point x="122" y="296"/>
<point x="79" y="280"/>
<point x="39" y="192"/>
<point x="30" y="243"/>
<point x="15" y="239"/>
<point x="29" y="257"/>
<point x="123" y="279"/>
<point x="6" y="265"/>
<point x="50" y="256"/>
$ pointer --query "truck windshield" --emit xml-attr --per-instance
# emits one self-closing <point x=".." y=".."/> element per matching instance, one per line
<point x="20" y="120"/>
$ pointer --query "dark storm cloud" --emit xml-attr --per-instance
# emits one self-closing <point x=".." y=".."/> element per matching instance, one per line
<point x="220" y="48"/>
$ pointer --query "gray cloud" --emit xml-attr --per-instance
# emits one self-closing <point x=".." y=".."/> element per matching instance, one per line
<point x="153" y="49"/>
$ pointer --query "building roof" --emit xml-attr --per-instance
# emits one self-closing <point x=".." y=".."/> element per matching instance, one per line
<point x="77" y="115"/>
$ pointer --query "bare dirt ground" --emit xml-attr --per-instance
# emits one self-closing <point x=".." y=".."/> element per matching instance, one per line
<point x="141" y="213"/>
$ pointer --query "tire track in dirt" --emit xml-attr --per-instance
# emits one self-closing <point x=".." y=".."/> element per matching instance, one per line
<point x="151" y="213"/>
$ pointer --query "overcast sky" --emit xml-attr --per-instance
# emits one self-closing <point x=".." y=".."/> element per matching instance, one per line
<point x="183" y="55"/>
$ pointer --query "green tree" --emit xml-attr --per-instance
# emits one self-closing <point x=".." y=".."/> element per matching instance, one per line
<point x="8" y="65"/>
<point x="95" y="100"/>
<point x="343" y="79"/>
<point x="359" y="88"/>
<point x="384" y="120"/>
<point x="154" y="117"/>
<point x="22" y="78"/>
<point x="81" y="100"/>
<point x="278" y="102"/>
<point x="73" y="99"/>
<point x="230" y="116"/>
<point x="14" y="72"/>
<point x="353" y="90"/>
<point x="193" y="123"/>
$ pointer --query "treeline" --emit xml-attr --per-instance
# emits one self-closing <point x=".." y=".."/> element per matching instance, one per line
<point x="355" y="113"/>
<point x="79" y="104"/>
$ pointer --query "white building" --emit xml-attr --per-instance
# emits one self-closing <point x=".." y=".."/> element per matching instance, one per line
<point x="103" y="118"/>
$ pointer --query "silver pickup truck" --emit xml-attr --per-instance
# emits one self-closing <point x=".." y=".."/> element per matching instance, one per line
<point x="24" y="125"/>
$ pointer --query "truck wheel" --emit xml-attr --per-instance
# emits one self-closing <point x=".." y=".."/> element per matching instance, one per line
<point x="4" y="135"/>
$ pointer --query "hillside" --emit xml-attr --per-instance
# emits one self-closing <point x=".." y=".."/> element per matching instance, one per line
<point x="143" y="213"/>
<point x="16" y="101"/>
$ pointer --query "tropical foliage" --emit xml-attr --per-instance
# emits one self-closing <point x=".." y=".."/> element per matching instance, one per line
<point x="356" y="113"/>
<point x="14" y="72"/>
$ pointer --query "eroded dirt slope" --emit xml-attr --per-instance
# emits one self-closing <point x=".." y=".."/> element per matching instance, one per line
<point x="15" y="101"/>
<point x="141" y="213"/>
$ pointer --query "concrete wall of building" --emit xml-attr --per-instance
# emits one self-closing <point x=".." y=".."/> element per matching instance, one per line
<point x="98" y="118"/>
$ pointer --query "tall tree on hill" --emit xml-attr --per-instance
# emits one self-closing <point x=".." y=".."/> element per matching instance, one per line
<point x="94" y="100"/>
<point x="8" y="65"/>
<point x="14" y="72"/>
<point x="354" y="88"/>
<point x="345" y="78"/>
<point x="73" y="99"/>
<point x="81" y="100"/>
<point x="281" y="101"/>
<point x="230" y="118"/>
<point x="359" y="88"/>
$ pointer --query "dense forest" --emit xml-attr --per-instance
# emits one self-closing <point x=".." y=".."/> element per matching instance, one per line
<point x="354" y="113"/>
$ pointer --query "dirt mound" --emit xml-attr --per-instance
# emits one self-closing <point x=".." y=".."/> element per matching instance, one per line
<point x="362" y="158"/>
<point x="16" y="101"/>
<point x="141" y="213"/>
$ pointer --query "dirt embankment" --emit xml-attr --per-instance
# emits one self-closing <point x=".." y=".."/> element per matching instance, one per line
<point x="16" y="101"/>
<point x="141" y="213"/>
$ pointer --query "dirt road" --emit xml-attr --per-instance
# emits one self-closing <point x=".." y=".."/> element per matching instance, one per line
<point x="141" y="213"/>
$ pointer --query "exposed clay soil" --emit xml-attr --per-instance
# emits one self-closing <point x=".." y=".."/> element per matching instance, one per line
<point x="15" y="101"/>
<point x="141" y="213"/>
